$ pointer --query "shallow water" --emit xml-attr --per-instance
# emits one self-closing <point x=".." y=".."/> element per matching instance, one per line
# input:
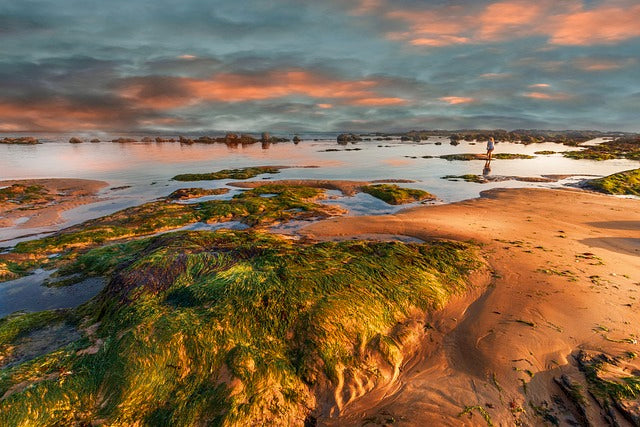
<point x="148" y="168"/>
<point x="28" y="294"/>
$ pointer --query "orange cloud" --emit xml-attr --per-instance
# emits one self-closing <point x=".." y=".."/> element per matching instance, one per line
<point x="563" y="23"/>
<point x="167" y="93"/>
<point x="324" y="106"/>
<point x="455" y="100"/>
<point x="595" y="64"/>
<point x="602" y="25"/>
<point x="547" y="96"/>
<point x="539" y="85"/>
<point x="55" y="115"/>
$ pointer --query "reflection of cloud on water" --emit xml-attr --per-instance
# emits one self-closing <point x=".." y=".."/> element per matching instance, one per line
<point x="396" y="162"/>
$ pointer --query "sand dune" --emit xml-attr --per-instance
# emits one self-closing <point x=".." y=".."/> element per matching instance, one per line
<point x="566" y="278"/>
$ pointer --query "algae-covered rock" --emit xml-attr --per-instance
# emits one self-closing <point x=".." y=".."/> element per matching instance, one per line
<point x="396" y="195"/>
<point x="236" y="328"/>
<point x="622" y="183"/>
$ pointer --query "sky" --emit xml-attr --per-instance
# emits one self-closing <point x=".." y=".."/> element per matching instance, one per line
<point x="323" y="65"/>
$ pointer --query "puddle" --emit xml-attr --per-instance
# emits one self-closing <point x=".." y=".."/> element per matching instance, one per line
<point x="41" y="341"/>
<point x="28" y="294"/>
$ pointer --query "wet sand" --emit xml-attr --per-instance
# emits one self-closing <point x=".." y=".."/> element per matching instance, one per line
<point x="566" y="276"/>
<point x="66" y="193"/>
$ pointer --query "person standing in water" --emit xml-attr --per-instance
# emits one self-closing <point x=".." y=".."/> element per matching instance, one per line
<point x="490" y="147"/>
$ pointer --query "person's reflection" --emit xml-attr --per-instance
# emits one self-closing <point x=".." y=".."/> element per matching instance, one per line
<point x="487" y="168"/>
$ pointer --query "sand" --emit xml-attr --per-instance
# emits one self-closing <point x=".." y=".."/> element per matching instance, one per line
<point x="67" y="193"/>
<point x="501" y="346"/>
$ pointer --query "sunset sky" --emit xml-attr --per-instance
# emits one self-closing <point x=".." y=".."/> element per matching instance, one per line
<point x="297" y="65"/>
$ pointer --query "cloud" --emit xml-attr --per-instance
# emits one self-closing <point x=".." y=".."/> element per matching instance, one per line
<point x="611" y="23"/>
<point x="547" y="96"/>
<point x="455" y="100"/>
<point x="568" y="23"/>
<point x="603" y="64"/>
<point x="173" y="92"/>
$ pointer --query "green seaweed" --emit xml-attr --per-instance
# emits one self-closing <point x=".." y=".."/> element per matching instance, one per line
<point x="25" y="194"/>
<point x="625" y="183"/>
<point x="241" y="173"/>
<point x="396" y="195"/>
<point x="627" y="147"/>
<point x="472" y="156"/>
<point x="191" y="193"/>
<point x="251" y="207"/>
<point x="479" y="179"/>
<point x="233" y="328"/>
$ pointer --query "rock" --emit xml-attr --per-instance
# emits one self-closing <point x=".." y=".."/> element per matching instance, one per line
<point x="345" y="138"/>
<point x="184" y="140"/>
<point x="26" y="140"/>
<point x="75" y="140"/>
<point x="95" y="140"/>
<point x="296" y="139"/>
<point x="265" y="137"/>
<point x="146" y="139"/>
<point x="123" y="140"/>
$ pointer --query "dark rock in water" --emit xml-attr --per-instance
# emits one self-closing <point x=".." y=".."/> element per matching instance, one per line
<point x="296" y="139"/>
<point x="146" y="139"/>
<point x="75" y="140"/>
<point x="158" y="139"/>
<point x="454" y="142"/>
<point x="405" y="138"/>
<point x="345" y="138"/>
<point x="95" y="140"/>
<point x="124" y="140"/>
<point x="265" y="137"/>
<point x="184" y="140"/>
<point x="24" y="140"/>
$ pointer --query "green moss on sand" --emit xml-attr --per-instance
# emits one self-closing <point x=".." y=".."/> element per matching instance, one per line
<point x="24" y="194"/>
<point x="236" y="328"/>
<point x="396" y="195"/>
<point x="479" y="179"/>
<point x="627" y="147"/>
<point x="241" y="173"/>
<point x="192" y="193"/>
<point x="627" y="183"/>
<point x="498" y="156"/>
<point x="545" y="152"/>
<point x="261" y="206"/>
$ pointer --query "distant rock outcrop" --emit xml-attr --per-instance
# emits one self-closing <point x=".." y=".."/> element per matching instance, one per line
<point x="124" y="140"/>
<point x="25" y="140"/>
<point x="75" y="140"/>
<point x="345" y="138"/>
<point x="95" y="140"/>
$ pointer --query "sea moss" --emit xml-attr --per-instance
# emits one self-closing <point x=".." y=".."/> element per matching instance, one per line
<point x="236" y="328"/>
<point x="192" y="193"/>
<point x="241" y="173"/>
<point x="478" y="179"/>
<point x="24" y="194"/>
<point x="261" y="206"/>
<point x="396" y="195"/>
<point x="627" y="147"/>
<point x="625" y="183"/>
<point x="498" y="156"/>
